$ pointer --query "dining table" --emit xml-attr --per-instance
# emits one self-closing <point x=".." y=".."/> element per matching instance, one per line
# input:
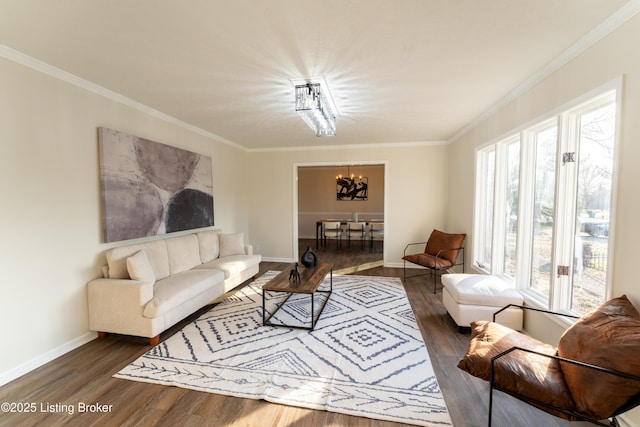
<point x="342" y="222"/>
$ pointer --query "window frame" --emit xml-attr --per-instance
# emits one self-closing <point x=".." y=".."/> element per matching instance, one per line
<point x="480" y="210"/>
<point x="527" y="208"/>
<point x="567" y="120"/>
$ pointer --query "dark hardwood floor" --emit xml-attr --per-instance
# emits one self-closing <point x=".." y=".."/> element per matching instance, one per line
<point x="85" y="376"/>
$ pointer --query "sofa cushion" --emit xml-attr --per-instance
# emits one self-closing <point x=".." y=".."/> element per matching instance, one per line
<point x="174" y="290"/>
<point x="231" y="265"/>
<point x="184" y="253"/>
<point x="209" y="245"/>
<point x="139" y="267"/>
<point x="526" y="374"/>
<point x="156" y="252"/>
<point x="231" y="244"/>
<point x="608" y="337"/>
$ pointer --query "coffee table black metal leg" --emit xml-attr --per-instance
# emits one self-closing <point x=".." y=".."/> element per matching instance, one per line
<point x="267" y="321"/>
<point x="314" y="319"/>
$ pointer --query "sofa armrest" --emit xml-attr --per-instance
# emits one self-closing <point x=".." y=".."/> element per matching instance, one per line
<point x="115" y="300"/>
<point x="139" y="290"/>
<point x="248" y="249"/>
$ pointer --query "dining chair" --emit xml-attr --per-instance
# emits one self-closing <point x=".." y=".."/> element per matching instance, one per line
<point x="332" y="229"/>
<point x="355" y="230"/>
<point x="376" y="231"/>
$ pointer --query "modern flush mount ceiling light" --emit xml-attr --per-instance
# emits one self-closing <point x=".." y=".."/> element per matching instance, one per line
<point x="315" y="110"/>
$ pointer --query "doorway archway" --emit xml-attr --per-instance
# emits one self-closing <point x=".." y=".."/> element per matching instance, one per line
<point x="324" y="197"/>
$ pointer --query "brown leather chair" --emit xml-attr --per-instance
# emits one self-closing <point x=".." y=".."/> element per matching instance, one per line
<point x="593" y="375"/>
<point x="440" y="254"/>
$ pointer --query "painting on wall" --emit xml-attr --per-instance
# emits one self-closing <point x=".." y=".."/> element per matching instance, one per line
<point x="150" y="188"/>
<point x="352" y="188"/>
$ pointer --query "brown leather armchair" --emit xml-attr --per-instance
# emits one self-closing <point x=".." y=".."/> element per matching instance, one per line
<point x="440" y="254"/>
<point x="593" y="375"/>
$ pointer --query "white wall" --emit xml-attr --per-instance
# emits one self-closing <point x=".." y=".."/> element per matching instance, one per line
<point x="614" y="56"/>
<point x="415" y="198"/>
<point x="50" y="217"/>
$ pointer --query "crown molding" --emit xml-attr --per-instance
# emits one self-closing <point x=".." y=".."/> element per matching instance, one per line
<point x="52" y="71"/>
<point x="350" y="146"/>
<point x="621" y="16"/>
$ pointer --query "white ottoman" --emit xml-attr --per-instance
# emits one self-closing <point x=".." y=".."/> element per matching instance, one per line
<point x="469" y="297"/>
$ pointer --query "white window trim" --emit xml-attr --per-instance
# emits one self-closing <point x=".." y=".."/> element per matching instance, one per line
<point x="480" y="218"/>
<point x="565" y="117"/>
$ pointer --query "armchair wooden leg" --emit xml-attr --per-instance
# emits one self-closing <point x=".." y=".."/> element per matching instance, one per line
<point x="154" y="341"/>
<point x="102" y="335"/>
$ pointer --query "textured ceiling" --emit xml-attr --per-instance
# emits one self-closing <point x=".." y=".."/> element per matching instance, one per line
<point x="400" y="71"/>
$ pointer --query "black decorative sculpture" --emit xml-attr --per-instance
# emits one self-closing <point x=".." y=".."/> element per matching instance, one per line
<point x="294" y="274"/>
<point x="309" y="258"/>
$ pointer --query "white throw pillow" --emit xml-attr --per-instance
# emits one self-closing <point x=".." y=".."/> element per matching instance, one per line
<point x="209" y="245"/>
<point x="139" y="267"/>
<point x="231" y="244"/>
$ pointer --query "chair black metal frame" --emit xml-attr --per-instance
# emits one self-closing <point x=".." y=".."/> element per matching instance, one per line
<point x="374" y="233"/>
<point x="433" y="271"/>
<point x="359" y="230"/>
<point x="338" y="234"/>
<point x="630" y="404"/>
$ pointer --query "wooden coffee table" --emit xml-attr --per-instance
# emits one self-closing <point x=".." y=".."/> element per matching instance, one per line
<point x="310" y="280"/>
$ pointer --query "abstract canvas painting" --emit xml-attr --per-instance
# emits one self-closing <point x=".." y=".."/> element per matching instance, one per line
<point x="352" y="189"/>
<point x="150" y="188"/>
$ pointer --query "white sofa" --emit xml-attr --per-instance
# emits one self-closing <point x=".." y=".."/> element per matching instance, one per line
<point x="149" y="287"/>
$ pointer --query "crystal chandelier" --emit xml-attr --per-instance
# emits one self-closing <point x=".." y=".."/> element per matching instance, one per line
<point x="350" y="175"/>
<point x="314" y="109"/>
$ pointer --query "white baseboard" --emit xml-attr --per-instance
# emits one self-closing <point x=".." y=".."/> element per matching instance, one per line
<point x="394" y="264"/>
<point x="47" y="357"/>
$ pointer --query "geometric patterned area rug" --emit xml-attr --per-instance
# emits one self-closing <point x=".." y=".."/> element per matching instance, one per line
<point x="365" y="357"/>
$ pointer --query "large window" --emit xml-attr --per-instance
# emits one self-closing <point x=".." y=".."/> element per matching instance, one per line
<point x="484" y="203"/>
<point x="544" y="144"/>
<point x="511" y="208"/>
<point x="594" y="187"/>
<point x="543" y="206"/>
